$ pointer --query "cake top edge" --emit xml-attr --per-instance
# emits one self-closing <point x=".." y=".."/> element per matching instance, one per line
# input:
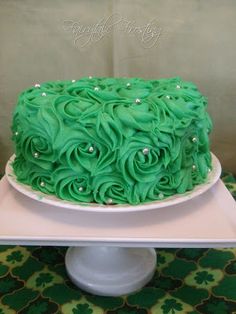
<point x="122" y="85"/>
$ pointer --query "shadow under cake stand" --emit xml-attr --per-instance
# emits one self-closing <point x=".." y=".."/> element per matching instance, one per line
<point x="111" y="248"/>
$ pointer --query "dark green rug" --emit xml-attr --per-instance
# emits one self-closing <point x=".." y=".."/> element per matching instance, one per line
<point x="33" y="281"/>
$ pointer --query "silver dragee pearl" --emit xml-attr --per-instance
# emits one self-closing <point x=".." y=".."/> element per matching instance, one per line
<point x="168" y="97"/>
<point x="138" y="101"/>
<point x="91" y="149"/>
<point x="145" y="151"/>
<point x="90" y="77"/>
<point x="194" y="139"/>
<point x="81" y="188"/>
<point x="16" y="133"/>
<point x="194" y="167"/>
<point x="36" y="155"/>
<point x="109" y="201"/>
<point x="44" y="94"/>
<point x="128" y="84"/>
<point x="209" y="169"/>
<point x="161" y="195"/>
<point x="73" y="81"/>
<point x="37" y="85"/>
<point x="177" y="86"/>
<point x="96" y="88"/>
<point x="42" y="184"/>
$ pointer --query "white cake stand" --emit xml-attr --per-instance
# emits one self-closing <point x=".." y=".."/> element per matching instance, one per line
<point x="111" y="250"/>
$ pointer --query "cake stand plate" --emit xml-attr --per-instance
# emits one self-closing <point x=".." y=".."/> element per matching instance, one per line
<point x="212" y="178"/>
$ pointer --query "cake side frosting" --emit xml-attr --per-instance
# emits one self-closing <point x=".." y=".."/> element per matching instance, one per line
<point x="112" y="140"/>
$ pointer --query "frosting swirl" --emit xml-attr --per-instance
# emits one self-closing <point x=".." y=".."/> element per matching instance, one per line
<point x="140" y="159"/>
<point x="71" y="185"/>
<point x="110" y="188"/>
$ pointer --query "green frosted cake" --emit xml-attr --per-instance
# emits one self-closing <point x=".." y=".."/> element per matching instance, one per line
<point x="112" y="140"/>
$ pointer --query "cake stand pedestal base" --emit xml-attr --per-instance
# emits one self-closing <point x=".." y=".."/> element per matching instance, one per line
<point x="110" y="271"/>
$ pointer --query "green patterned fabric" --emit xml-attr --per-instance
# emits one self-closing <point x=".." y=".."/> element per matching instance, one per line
<point x="33" y="280"/>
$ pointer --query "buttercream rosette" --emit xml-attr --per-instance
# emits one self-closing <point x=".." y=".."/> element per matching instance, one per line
<point x="112" y="140"/>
